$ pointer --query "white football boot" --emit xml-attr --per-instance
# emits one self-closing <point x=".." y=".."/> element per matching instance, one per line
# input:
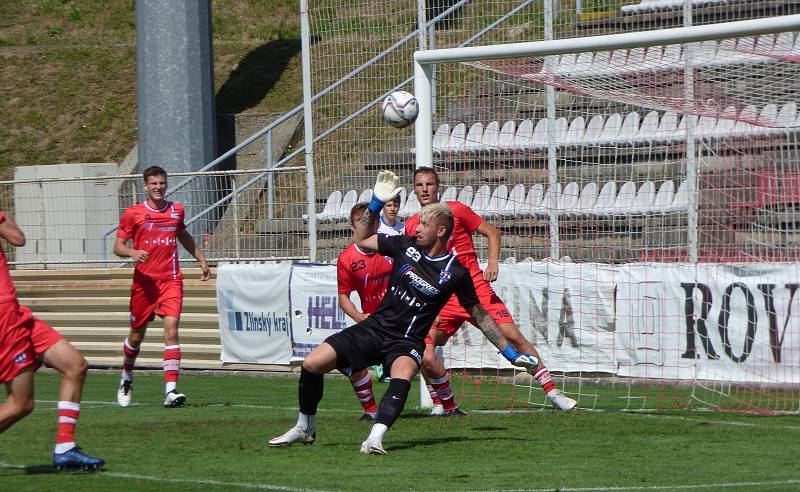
<point x="174" y="399"/>
<point x="372" y="446"/>
<point x="561" y="401"/>
<point x="292" y="436"/>
<point x="438" y="410"/>
<point x="125" y="393"/>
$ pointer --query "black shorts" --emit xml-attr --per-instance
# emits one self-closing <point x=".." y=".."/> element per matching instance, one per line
<point x="361" y="346"/>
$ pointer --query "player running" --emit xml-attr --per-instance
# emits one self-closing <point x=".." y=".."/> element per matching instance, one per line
<point x="467" y="222"/>
<point x="25" y="343"/>
<point x="154" y="226"/>
<point x="424" y="276"/>
<point x="366" y="273"/>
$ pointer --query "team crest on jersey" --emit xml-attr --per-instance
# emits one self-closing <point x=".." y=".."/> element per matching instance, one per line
<point x="444" y="276"/>
<point x="173" y="213"/>
<point x="21" y="358"/>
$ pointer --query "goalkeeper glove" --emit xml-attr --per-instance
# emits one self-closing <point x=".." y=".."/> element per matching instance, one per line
<point x="526" y="361"/>
<point x="387" y="186"/>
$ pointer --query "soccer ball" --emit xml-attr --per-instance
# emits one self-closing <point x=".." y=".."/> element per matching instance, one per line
<point x="400" y="109"/>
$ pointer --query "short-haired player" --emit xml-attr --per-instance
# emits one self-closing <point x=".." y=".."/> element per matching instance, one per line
<point x="389" y="224"/>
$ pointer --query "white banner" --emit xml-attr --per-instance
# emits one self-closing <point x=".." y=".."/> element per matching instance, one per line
<point x="254" y="319"/>
<point x="315" y="303"/>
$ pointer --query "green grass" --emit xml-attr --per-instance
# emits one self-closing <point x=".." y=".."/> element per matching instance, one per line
<point x="220" y="439"/>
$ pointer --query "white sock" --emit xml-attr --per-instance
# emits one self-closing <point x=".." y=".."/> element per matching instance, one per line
<point x="306" y="422"/>
<point x="171" y="386"/>
<point x="63" y="447"/>
<point x="126" y="376"/>
<point x="377" y="432"/>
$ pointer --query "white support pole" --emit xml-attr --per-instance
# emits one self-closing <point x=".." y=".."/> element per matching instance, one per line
<point x="308" y="130"/>
<point x="270" y="179"/>
<point x="423" y="127"/>
<point x="422" y="22"/>
<point x="691" y="143"/>
<point x="552" y="149"/>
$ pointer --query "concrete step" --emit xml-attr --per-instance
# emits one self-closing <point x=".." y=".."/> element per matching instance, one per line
<point x="152" y="349"/>
<point x="59" y="320"/>
<point x="154" y="362"/>
<point x="92" y="274"/>
<point x="106" y="334"/>
<point x="111" y="288"/>
<point x="118" y="303"/>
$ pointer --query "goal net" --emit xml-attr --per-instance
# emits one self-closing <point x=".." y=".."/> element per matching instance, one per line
<point x="648" y="192"/>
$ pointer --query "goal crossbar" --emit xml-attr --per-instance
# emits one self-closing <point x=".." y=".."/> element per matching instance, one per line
<point x="425" y="60"/>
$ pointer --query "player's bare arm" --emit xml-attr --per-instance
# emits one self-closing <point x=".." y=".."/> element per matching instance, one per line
<point x="350" y="309"/>
<point x="492" y="235"/>
<point x="187" y="241"/>
<point x="364" y="235"/>
<point x="122" y="250"/>
<point x="492" y="332"/>
<point x="11" y="232"/>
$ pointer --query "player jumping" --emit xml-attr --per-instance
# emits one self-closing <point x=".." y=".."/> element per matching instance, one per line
<point x="426" y="186"/>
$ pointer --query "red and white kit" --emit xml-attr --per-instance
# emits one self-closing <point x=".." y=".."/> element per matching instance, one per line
<point x="158" y="282"/>
<point x="452" y="316"/>
<point x="363" y="272"/>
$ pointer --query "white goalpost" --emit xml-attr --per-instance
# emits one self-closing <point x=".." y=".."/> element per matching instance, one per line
<point x="648" y="188"/>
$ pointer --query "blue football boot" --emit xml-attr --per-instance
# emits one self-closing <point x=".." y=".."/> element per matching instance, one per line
<point x="75" y="459"/>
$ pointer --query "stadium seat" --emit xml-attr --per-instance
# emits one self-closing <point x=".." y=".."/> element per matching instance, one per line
<point x="516" y="199"/>
<point x="332" y="205"/>
<point x="652" y="57"/>
<point x="539" y="138"/>
<point x="532" y="200"/>
<point x="673" y="57"/>
<point x="568" y="199"/>
<point x="505" y="141"/>
<point x="663" y="199"/>
<point x="629" y="131"/>
<point x="787" y="117"/>
<point x="611" y="129"/>
<point x="365" y="196"/>
<point x="680" y="203"/>
<point x="490" y="135"/>
<point x="594" y="130"/>
<point x="768" y="116"/>
<point x="496" y="202"/>
<point x="765" y="44"/>
<point x="343" y="213"/>
<point x="705" y="128"/>
<point x="465" y="195"/>
<point x="472" y="142"/>
<point x="449" y="194"/>
<point x="574" y="135"/>
<point x="524" y="135"/>
<point x="605" y="200"/>
<point x="586" y="200"/>
<point x="481" y="200"/>
<point x="440" y="139"/>
<point x="784" y="43"/>
<point x="457" y="140"/>
<point x="745" y="125"/>
<point x="402" y="198"/>
<point x="666" y="128"/>
<point x="648" y="127"/>
<point x="411" y="207"/>
<point x="725" y="123"/>
<point x="635" y="60"/>
<point x="561" y="130"/>
<point x="543" y="209"/>
<point x="583" y="65"/>
<point x="625" y="199"/>
<point x="644" y="198"/>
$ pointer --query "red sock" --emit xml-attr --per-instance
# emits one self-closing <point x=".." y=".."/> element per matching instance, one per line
<point x="434" y="395"/>
<point x="129" y="355"/>
<point x="444" y="390"/>
<point x="363" y="389"/>
<point x="68" y="413"/>
<point x="544" y="379"/>
<point x="172" y="364"/>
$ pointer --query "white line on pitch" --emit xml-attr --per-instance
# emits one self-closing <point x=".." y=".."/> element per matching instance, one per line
<point x="720" y="422"/>
<point x="730" y="485"/>
<point x="238" y="485"/>
<point x="107" y="404"/>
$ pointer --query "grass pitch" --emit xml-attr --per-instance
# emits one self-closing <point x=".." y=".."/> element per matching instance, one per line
<point x="218" y="442"/>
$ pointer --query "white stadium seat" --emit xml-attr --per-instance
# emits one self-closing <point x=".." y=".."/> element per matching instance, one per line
<point x="532" y="200"/>
<point x="332" y="205"/>
<point x="625" y="199"/>
<point x="516" y="199"/>
<point x="490" y="135"/>
<point x="449" y="194"/>
<point x="605" y="199"/>
<point x="663" y="199"/>
<point x="630" y="128"/>
<point x="587" y="199"/>
<point x="348" y="201"/>
<point x="505" y="141"/>
<point x="568" y="199"/>
<point x="472" y="142"/>
<point x="481" y="200"/>
<point x="543" y="210"/>
<point x="648" y="127"/>
<point x="524" y="135"/>
<point x="440" y="139"/>
<point x="680" y="203"/>
<point x="611" y="129"/>
<point x="365" y="196"/>
<point x="465" y="195"/>
<point x="496" y="202"/>
<point x="574" y="135"/>
<point x="594" y="130"/>
<point x="644" y="198"/>
<point x="411" y="207"/>
<point x="457" y="140"/>
<point x="666" y="127"/>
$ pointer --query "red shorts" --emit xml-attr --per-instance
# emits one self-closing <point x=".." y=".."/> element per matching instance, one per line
<point x="24" y="338"/>
<point x="155" y="297"/>
<point x="453" y="315"/>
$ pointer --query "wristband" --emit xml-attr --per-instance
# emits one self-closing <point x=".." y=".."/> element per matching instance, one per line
<point x="510" y="353"/>
<point x="375" y="205"/>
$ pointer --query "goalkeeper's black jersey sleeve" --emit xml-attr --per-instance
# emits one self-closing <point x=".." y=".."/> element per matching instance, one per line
<point x="419" y="287"/>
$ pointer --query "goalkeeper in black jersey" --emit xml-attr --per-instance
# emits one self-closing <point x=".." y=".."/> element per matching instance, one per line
<point x="424" y="276"/>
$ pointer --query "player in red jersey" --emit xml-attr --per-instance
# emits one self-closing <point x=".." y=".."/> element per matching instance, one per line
<point x="155" y="227"/>
<point x="452" y="316"/>
<point x="25" y="343"/>
<point x="366" y="273"/>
